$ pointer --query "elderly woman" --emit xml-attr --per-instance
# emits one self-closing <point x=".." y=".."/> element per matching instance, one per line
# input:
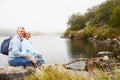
<point x="28" y="49"/>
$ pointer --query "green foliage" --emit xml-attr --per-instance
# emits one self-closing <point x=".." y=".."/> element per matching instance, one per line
<point x="93" y="22"/>
<point x="107" y="33"/>
<point x="103" y="12"/>
<point x="100" y="33"/>
<point x="76" y="22"/>
<point x="115" y="18"/>
<point x="89" y="31"/>
<point x="106" y="13"/>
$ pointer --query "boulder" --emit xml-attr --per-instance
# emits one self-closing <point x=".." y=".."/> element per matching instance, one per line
<point x="13" y="73"/>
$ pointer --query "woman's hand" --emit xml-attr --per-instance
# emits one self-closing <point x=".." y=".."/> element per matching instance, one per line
<point x="33" y="61"/>
<point x="39" y="55"/>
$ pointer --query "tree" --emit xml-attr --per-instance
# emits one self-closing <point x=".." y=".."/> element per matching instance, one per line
<point x="115" y="18"/>
<point x="76" y="22"/>
<point x="101" y="13"/>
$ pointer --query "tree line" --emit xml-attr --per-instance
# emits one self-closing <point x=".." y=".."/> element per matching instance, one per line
<point x="105" y="14"/>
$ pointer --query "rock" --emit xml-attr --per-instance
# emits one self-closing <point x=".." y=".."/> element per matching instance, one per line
<point x="13" y="73"/>
<point x="19" y="72"/>
<point x="105" y="58"/>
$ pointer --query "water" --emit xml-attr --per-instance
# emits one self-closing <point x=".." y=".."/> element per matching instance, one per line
<point x="58" y="50"/>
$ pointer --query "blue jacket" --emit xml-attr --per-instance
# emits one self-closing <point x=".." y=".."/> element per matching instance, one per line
<point x="27" y="48"/>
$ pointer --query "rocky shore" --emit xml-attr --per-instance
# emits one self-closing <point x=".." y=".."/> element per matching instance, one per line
<point x="98" y="39"/>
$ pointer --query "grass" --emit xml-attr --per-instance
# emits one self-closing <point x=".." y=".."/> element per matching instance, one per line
<point x="60" y="73"/>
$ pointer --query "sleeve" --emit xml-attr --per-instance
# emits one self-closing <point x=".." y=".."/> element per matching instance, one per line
<point x="23" y="48"/>
<point x="16" y="48"/>
<point x="35" y="53"/>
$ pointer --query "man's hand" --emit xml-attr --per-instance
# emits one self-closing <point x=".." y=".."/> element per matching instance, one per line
<point x="28" y="56"/>
<point x="31" y="59"/>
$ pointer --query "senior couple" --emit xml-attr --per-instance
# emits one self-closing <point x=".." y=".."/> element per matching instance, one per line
<point x="21" y="52"/>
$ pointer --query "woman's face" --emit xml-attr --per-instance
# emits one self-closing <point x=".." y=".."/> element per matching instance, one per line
<point x="27" y="35"/>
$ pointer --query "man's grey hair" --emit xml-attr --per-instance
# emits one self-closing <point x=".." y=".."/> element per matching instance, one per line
<point x="20" y="27"/>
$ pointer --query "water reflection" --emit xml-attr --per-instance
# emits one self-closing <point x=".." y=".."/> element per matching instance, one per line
<point x="59" y="50"/>
<point x="78" y="47"/>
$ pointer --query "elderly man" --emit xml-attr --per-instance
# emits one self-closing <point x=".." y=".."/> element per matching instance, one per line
<point x="15" y="57"/>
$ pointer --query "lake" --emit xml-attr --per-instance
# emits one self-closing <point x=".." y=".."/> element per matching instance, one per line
<point x="59" y="50"/>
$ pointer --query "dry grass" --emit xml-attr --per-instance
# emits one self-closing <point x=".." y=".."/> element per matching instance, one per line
<point x="57" y="72"/>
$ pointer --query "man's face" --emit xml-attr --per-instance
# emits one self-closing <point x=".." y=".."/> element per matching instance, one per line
<point x="21" y="32"/>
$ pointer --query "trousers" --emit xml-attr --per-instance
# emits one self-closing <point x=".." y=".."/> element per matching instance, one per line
<point x="22" y="61"/>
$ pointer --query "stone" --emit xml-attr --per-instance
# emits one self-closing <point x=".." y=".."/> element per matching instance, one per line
<point x="13" y="73"/>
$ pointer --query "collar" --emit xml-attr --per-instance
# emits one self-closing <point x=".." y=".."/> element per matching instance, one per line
<point x="19" y="37"/>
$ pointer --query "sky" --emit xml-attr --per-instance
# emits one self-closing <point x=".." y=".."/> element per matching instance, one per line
<point x="45" y="16"/>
